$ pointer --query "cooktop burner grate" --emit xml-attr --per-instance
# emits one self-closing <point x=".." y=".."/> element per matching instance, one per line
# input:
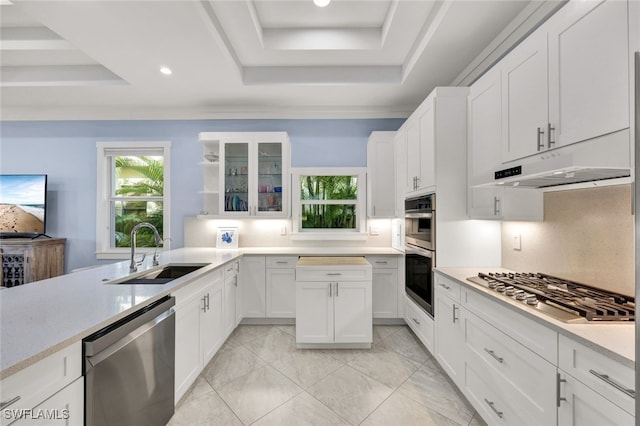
<point x="579" y="300"/>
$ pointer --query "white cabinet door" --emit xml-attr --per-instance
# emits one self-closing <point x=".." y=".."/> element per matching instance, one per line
<point x="188" y="353"/>
<point x="579" y="405"/>
<point x="413" y="154"/>
<point x="385" y="293"/>
<point x="400" y="160"/>
<point x="427" y="175"/>
<point x="281" y="293"/>
<point x="352" y="312"/>
<point x="66" y="407"/>
<point x="450" y="345"/>
<point x="381" y="175"/>
<point x="506" y="203"/>
<point x="212" y="322"/>
<point x="251" y="282"/>
<point x="314" y="316"/>
<point x="588" y="70"/>
<point x="230" y="296"/>
<point x="525" y="111"/>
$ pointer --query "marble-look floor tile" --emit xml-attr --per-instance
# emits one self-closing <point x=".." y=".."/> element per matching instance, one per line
<point x="477" y="420"/>
<point x="405" y="343"/>
<point x="381" y="332"/>
<point x="255" y="394"/>
<point x="204" y="410"/>
<point x="386" y="366"/>
<point x="247" y="333"/>
<point x="200" y="387"/>
<point x="301" y="410"/>
<point x="289" y="329"/>
<point x="307" y="367"/>
<point x="229" y="364"/>
<point x="400" y="410"/>
<point x="430" y="387"/>
<point x="343" y="355"/>
<point x="273" y="346"/>
<point x="350" y="394"/>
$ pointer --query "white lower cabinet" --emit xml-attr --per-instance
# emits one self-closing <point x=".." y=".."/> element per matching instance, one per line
<point x="231" y="311"/>
<point x="252" y="286"/>
<point x="334" y="302"/>
<point x="200" y="330"/>
<point x="281" y="286"/>
<point x="593" y="389"/>
<point x="54" y="383"/>
<point x="420" y="322"/>
<point x="450" y="331"/>
<point x="385" y="286"/>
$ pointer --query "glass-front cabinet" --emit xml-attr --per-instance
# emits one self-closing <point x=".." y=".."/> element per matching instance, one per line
<point x="251" y="174"/>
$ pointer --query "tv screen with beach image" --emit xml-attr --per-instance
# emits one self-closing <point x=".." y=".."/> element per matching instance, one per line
<point x="22" y="203"/>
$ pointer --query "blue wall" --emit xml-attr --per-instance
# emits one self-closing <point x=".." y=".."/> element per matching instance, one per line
<point x="66" y="152"/>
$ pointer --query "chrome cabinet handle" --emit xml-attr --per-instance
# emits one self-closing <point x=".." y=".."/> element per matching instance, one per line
<point x="416" y="321"/>
<point x="208" y="307"/>
<point x="605" y="378"/>
<point x="417" y="182"/>
<point x="282" y="262"/>
<point x="559" y="397"/>
<point x="334" y="273"/>
<point x="443" y="285"/>
<point x="540" y="142"/>
<point x="330" y="290"/>
<point x="381" y="262"/>
<point x="374" y="210"/>
<point x="337" y="289"/>
<point x="496" y="206"/>
<point x="491" y="404"/>
<point x="204" y="303"/>
<point x="5" y="404"/>
<point x="454" y="313"/>
<point x="493" y="354"/>
<point x="549" y="141"/>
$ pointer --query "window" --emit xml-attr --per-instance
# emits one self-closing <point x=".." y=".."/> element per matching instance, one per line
<point x="329" y="202"/>
<point x="133" y="187"/>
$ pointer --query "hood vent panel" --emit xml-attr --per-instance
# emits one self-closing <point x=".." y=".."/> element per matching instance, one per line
<point x="566" y="177"/>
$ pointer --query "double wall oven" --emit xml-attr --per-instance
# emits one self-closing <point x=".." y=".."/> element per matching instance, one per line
<point x="420" y="249"/>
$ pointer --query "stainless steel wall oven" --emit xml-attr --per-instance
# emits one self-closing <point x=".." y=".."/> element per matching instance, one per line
<point x="420" y="219"/>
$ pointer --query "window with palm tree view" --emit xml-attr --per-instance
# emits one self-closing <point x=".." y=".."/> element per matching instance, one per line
<point x="329" y="201"/>
<point x="133" y="188"/>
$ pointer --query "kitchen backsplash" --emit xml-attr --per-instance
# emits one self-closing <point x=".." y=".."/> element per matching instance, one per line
<point x="268" y="233"/>
<point x="587" y="236"/>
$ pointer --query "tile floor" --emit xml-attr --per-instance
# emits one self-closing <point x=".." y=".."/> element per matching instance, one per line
<point x="259" y="378"/>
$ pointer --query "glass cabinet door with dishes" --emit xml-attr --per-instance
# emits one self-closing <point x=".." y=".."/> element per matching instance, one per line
<point x="251" y="174"/>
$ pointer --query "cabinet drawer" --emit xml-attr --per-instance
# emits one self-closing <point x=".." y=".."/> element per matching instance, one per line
<point x="532" y="335"/>
<point x="606" y="376"/>
<point x="337" y="274"/>
<point x="194" y="287"/>
<point x="231" y="270"/>
<point x="482" y="391"/>
<point x="386" y="262"/>
<point x="447" y="286"/>
<point x="528" y="379"/>
<point x="421" y="324"/>
<point x="41" y="380"/>
<point x="282" y="261"/>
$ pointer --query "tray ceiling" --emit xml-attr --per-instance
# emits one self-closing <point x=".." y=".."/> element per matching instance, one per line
<point x="246" y="58"/>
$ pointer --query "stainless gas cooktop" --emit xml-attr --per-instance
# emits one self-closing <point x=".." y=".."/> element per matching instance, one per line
<point x="561" y="299"/>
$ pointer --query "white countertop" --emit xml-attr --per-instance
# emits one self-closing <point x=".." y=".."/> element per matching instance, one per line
<point x="40" y="318"/>
<point x="616" y="339"/>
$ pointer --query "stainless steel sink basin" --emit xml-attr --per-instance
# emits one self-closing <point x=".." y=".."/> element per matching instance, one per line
<point x="162" y="275"/>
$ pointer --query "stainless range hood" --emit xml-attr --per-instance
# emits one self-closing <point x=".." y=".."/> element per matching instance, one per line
<point x="597" y="160"/>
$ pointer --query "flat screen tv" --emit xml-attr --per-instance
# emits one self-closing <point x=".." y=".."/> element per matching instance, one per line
<point x="23" y="205"/>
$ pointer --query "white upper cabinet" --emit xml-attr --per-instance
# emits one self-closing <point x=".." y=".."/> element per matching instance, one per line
<point x="421" y="174"/>
<point x="400" y="159"/>
<point x="567" y="82"/>
<point x="252" y="174"/>
<point x="381" y="175"/>
<point x="525" y="110"/>
<point x="588" y="71"/>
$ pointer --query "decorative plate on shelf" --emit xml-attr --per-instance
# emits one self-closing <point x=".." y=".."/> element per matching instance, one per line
<point x="227" y="238"/>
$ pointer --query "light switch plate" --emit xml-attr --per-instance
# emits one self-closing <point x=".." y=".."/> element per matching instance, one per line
<point x="373" y="230"/>
<point x="517" y="242"/>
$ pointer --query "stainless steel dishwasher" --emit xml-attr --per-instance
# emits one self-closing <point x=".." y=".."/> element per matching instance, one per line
<point x="129" y="369"/>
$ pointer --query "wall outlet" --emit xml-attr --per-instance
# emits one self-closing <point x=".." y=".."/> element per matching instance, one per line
<point x="517" y="242"/>
<point x="373" y="230"/>
<point x="283" y="230"/>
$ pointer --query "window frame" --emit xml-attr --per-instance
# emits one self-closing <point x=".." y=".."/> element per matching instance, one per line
<point x="104" y="249"/>
<point x="359" y="233"/>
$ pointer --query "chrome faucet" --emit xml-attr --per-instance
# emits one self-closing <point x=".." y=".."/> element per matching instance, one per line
<point x="133" y="267"/>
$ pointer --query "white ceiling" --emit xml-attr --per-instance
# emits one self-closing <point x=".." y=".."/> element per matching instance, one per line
<point x="246" y="58"/>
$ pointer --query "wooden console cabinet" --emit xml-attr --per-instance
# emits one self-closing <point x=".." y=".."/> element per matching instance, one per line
<point x="25" y="260"/>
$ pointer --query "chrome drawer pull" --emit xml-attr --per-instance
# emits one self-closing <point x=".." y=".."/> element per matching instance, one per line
<point x="493" y="354"/>
<point x="605" y="378"/>
<point x="559" y="397"/>
<point x="282" y="262"/>
<point x="416" y="321"/>
<point x="381" y="262"/>
<point x="540" y="142"/>
<point x="334" y="273"/>
<point x="443" y="285"/>
<point x="490" y="403"/>
<point x="8" y="403"/>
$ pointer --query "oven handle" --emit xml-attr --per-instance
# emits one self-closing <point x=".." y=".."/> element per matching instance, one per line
<point x="409" y="215"/>
<point x="415" y="250"/>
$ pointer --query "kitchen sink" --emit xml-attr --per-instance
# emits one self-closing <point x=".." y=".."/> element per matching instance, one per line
<point x="161" y="275"/>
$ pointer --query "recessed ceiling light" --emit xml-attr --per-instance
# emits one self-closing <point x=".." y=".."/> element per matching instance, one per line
<point x="166" y="70"/>
<point x="321" y="3"/>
